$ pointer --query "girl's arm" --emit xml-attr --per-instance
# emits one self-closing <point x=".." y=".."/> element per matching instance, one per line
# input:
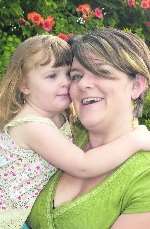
<point x="60" y="152"/>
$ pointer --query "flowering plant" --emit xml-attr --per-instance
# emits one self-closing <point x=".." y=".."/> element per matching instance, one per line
<point x="87" y="12"/>
<point x="47" y="24"/>
<point x="145" y="4"/>
<point x="83" y="14"/>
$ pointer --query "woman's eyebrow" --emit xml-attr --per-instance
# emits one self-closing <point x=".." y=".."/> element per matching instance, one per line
<point x="101" y="69"/>
<point x="74" y="70"/>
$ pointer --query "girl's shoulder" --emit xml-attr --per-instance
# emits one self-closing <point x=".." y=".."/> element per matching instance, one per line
<point x="28" y="119"/>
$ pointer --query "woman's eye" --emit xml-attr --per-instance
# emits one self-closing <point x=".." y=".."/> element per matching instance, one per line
<point x="75" y="77"/>
<point x="68" y="75"/>
<point x="51" y="76"/>
<point x="106" y="74"/>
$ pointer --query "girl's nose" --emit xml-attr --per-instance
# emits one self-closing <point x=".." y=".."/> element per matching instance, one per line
<point x="66" y="81"/>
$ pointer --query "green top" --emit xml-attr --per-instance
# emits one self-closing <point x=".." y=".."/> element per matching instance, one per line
<point x="127" y="190"/>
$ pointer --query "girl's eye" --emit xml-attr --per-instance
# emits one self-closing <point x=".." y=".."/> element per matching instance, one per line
<point x="75" y="77"/>
<point x="51" y="76"/>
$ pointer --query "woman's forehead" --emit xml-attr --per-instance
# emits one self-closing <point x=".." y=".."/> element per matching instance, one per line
<point x="76" y="65"/>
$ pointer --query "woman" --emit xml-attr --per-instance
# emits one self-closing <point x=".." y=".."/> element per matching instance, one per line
<point x="110" y="73"/>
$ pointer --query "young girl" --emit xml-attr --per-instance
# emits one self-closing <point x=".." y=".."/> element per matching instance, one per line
<point x="33" y="97"/>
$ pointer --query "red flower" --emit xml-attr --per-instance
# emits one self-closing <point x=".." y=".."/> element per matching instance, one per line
<point x="35" y="17"/>
<point x="84" y="9"/>
<point x="48" y="23"/>
<point x="131" y="3"/>
<point x="98" y="13"/>
<point x="145" y="4"/>
<point x="147" y="23"/>
<point x="64" y="36"/>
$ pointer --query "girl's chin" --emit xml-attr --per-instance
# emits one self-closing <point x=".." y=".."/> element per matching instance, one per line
<point x="65" y="106"/>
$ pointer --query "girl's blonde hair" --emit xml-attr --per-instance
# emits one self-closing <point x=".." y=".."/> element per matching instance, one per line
<point x="35" y="51"/>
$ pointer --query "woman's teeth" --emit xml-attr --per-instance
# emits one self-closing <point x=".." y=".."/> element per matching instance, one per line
<point x="91" y="100"/>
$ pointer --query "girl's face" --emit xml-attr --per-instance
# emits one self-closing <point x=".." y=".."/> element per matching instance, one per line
<point x="47" y="88"/>
<point x="101" y="102"/>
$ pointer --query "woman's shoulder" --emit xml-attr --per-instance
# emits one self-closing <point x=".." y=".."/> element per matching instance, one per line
<point x="136" y="177"/>
<point x="131" y="169"/>
<point x="134" y="172"/>
<point x="137" y="163"/>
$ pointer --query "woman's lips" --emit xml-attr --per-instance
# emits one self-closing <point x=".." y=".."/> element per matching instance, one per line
<point x="91" y="100"/>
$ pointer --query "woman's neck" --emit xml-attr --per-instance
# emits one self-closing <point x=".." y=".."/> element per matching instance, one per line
<point x="106" y="135"/>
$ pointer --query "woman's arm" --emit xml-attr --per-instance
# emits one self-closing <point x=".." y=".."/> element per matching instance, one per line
<point x="135" y="204"/>
<point x="55" y="148"/>
<point x="137" y="221"/>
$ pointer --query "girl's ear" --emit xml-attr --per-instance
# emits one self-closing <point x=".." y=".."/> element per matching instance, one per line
<point x="23" y="87"/>
<point x="139" y="86"/>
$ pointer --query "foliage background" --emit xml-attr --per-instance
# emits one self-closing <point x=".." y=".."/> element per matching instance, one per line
<point x="131" y="15"/>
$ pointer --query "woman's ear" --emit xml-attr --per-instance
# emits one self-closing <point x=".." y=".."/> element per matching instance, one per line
<point x="139" y="86"/>
<point x="23" y="87"/>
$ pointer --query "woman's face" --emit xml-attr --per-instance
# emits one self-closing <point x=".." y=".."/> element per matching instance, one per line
<point x="100" y="102"/>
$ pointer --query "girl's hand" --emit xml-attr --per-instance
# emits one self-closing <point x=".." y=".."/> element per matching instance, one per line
<point x="142" y="137"/>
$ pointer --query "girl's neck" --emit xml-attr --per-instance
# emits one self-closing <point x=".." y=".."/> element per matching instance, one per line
<point x="57" y="118"/>
<point x="32" y="108"/>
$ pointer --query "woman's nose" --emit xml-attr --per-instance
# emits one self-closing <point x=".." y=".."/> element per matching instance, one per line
<point x="85" y="82"/>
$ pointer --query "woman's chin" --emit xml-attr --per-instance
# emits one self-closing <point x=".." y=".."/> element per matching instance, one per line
<point x="89" y="124"/>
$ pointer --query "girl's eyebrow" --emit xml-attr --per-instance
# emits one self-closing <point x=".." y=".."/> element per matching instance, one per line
<point x="49" y="71"/>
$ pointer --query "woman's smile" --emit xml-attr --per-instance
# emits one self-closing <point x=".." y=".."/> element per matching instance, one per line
<point x="91" y="100"/>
